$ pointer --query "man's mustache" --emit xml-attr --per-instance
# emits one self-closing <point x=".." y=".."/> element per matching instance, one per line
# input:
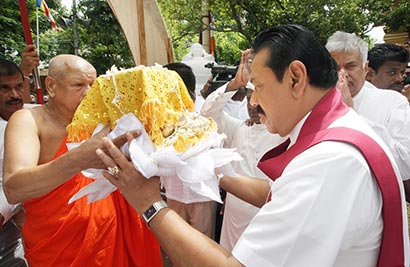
<point x="14" y="100"/>
<point x="260" y="110"/>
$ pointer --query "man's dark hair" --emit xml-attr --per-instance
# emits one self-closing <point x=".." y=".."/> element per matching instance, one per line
<point x="9" y="68"/>
<point x="287" y="43"/>
<point x="186" y="74"/>
<point x="381" y="53"/>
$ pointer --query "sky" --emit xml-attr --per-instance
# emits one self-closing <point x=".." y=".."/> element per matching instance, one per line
<point x="377" y="33"/>
<point x="67" y="3"/>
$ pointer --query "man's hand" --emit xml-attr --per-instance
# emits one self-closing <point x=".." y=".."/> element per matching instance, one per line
<point x="29" y="59"/>
<point x="1" y="221"/>
<point x="343" y="87"/>
<point x="206" y="88"/>
<point x="139" y="191"/>
<point x="242" y="75"/>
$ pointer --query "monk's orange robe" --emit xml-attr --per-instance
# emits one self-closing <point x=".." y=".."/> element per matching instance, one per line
<point x="108" y="232"/>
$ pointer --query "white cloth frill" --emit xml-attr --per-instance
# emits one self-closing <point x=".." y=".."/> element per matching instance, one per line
<point x="195" y="167"/>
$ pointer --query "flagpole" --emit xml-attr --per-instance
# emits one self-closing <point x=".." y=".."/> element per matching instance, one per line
<point x="29" y="40"/>
<point x="37" y="31"/>
<point x="74" y="8"/>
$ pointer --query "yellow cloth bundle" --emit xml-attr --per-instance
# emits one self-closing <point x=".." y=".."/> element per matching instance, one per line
<point x="158" y="98"/>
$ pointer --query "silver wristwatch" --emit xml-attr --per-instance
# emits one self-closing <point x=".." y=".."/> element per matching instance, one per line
<point x="150" y="213"/>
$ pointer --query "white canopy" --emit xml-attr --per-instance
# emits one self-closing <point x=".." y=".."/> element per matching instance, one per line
<point x="145" y="31"/>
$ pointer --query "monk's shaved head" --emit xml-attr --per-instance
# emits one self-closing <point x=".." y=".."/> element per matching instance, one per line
<point x="69" y="78"/>
<point x="65" y="63"/>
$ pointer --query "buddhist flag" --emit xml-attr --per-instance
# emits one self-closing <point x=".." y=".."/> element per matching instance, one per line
<point x="43" y="6"/>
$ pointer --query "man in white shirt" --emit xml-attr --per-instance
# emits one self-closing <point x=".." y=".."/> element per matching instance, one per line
<point x="325" y="203"/>
<point x="13" y="88"/>
<point x="236" y="106"/>
<point x="387" y="111"/>
<point x="200" y="211"/>
<point x="237" y="213"/>
<point x="387" y="65"/>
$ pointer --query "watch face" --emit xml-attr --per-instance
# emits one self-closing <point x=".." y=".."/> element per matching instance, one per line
<point x="150" y="212"/>
<point x="154" y="209"/>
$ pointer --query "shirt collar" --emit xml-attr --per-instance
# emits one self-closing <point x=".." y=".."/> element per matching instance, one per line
<point x="296" y="130"/>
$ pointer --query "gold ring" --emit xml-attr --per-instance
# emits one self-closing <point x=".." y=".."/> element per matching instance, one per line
<point x="114" y="170"/>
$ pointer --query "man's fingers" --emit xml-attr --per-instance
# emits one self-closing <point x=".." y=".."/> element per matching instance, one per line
<point x="108" y="161"/>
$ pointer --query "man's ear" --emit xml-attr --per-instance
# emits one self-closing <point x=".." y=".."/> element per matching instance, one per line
<point x="297" y="77"/>
<point x="370" y="74"/>
<point x="366" y="67"/>
<point x="50" y="83"/>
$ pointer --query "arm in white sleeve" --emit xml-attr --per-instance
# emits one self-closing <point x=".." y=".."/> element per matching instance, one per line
<point x="399" y="129"/>
<point x="213" y="107"/>
<point x="6" y="209"/>
<point x="398" y="145"/>
<point x="216" y="101"/>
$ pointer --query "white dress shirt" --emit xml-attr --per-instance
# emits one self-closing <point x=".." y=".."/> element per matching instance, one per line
<point x="6" y="209"/>
<point x="389" y="113"/>
<point x="236" y="109"/>
<point x="251" y="142"/>
<point x="325" y="209"/>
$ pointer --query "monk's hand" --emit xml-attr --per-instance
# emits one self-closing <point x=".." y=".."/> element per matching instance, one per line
<point x="86" y="151"/>
<point x="139" y="191"/>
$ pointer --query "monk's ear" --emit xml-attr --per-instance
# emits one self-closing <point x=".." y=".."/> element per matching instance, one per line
<point x="298" y="78"/>
<point x="50" y="83"/>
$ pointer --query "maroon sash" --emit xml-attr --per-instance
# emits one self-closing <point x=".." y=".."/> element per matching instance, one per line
<point x="314" y="131"/>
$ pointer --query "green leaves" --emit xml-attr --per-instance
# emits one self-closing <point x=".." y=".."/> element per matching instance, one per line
<point x="234" y="23"/>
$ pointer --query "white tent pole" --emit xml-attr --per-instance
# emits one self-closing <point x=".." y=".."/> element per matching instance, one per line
<point x="205" y="21"/>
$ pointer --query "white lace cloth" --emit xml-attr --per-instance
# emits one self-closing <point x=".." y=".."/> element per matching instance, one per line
<point x="194" y="167"/>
